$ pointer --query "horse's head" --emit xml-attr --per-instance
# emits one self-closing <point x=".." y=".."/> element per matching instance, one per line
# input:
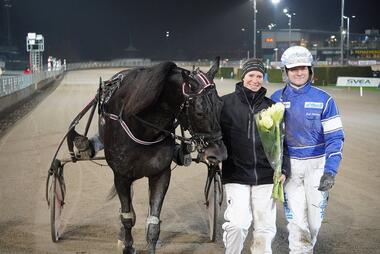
<point x="203" y="108"/>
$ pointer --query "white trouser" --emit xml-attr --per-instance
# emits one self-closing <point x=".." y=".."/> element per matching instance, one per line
<point x="245" y="202"/>
<point x="97" y="143"/>
<point x="304" y="204"/>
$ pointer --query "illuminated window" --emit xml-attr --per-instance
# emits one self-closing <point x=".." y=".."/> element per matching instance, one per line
<point x="269" y="39"/>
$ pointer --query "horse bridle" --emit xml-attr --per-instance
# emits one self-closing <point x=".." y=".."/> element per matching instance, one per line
<point x="199" y="140"/>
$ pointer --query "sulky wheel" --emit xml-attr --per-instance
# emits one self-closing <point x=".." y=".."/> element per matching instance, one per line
<point x="56" y="196"/>
<point x="213" y="205"/>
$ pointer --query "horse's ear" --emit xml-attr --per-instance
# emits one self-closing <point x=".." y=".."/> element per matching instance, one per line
<point x="214" y="69"/>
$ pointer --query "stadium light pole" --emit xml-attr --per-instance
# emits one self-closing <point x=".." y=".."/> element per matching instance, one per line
<point x="254" y="24"/>
<point x="348" y="36"/>
<point x="289" y="15"/>
<point x="341" y="33"/>
<point x="254" y="28"/>
<point x="275" y="54"/>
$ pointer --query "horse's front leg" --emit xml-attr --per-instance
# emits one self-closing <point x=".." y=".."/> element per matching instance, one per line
<point x="158" y="185"/>
<point x="127" y="214"/>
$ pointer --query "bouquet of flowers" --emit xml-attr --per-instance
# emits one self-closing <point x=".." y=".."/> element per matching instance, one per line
<point x="271" y="131"/>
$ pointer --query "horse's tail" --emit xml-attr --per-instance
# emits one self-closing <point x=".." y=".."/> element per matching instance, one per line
<point x="112" y="193"/>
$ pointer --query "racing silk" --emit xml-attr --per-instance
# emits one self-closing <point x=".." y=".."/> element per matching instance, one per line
<point x="313" y="125"/>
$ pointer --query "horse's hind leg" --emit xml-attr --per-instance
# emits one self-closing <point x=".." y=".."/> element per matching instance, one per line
<point x="127" y="214"/>
<point x="158" y="185"/>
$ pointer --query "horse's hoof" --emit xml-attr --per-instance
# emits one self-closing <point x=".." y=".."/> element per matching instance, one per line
<point x="129" y="250"/>
<point x="122" y="249"/>
<point x="159" y="244"/>
<point x="152" y="247"/>
<point x="120" y="246"/>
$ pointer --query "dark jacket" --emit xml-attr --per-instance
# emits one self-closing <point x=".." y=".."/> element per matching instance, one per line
<point x="246" y="162"/>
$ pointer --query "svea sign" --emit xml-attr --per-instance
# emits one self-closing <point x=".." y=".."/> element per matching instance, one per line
<point x="357" y="82"/>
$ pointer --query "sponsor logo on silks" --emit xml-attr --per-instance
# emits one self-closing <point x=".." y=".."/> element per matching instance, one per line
<point x="288" y="211"/>
<point x="286" y="104"/>
<point x="323" y="203"/>
<point x="318" y="105"/>
<point x="312" y="114"/>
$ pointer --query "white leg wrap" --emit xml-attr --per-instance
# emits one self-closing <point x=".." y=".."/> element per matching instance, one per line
<point x="152" y="220"/>
<point x="127" y="216"/>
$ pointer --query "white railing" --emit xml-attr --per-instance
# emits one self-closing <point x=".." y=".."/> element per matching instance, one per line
<point x="110" y="64"/>
<point x="138" y="62"/>
<point x="11" y="84"/>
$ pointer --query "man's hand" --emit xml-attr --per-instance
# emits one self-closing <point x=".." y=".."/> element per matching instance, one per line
<point x="327" y="181"/>
<point x="282" y="178"/>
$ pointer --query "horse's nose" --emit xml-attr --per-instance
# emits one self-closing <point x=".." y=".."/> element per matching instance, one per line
<point x="216" y="152"/>
<point x="212" y="160"/>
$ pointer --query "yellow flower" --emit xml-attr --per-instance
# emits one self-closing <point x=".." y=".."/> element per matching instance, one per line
<point x="270" y="110"/>
<point x="266" y="122"/>
<point x="278" y="111"/>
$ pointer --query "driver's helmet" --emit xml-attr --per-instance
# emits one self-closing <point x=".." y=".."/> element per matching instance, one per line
<point x="296" y="56"/>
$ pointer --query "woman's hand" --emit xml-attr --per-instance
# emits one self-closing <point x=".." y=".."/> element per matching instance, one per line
<point x="282" y="178"/>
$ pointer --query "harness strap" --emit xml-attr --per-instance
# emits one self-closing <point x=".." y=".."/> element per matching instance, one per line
<point x="202" y="79"/>
<point x="168" y="133"/>
<point x="129" y="132"/>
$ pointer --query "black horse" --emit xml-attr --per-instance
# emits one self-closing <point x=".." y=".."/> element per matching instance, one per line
<point x="137" y="127"/>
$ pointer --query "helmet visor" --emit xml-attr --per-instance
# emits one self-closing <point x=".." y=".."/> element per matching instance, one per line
<point x="289" y="66"/>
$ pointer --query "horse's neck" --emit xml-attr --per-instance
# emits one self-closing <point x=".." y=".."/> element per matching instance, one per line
<point x="172" y="96"/>
<point x="160" y="116"/>
<point x="163" y="111"/>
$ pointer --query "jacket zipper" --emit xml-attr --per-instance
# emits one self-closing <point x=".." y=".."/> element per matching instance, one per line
<point x="251" y="132"/>
<point x="253" y="144"/>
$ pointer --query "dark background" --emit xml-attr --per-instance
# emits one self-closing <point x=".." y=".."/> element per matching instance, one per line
<point x="101" y="29"/>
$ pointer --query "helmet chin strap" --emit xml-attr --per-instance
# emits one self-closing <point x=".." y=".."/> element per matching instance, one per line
<point x="311" y="73"/>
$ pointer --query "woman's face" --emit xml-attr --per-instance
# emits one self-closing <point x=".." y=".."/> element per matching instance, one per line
<point x="299" y="75"/>
<point x="253" y="80"/>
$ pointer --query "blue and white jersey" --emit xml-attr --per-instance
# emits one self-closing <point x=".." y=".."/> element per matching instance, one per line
<point x="313" y="124"/>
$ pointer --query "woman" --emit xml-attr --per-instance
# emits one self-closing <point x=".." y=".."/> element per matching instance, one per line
<point x="247" y="175"/>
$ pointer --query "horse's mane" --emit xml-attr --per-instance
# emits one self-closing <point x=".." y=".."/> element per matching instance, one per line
<point x="141" y="87"/>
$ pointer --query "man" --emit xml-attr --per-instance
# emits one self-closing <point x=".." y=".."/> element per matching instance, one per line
<point x="247" y="175"/>
<point x="314" y="135"/>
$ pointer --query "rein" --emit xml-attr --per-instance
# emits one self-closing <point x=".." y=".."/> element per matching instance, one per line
<point x="129" y="132"/>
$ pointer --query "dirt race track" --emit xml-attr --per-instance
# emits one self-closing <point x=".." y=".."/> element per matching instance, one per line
<point x="91" y="223"/>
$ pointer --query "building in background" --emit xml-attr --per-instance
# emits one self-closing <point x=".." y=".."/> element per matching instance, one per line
<point x="324" y="45"/>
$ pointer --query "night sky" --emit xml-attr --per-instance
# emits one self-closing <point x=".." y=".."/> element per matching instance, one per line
<point x="101" y="29"/>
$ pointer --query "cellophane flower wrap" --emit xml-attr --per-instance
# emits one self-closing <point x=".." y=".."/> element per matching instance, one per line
<point x="270" y="126"/>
